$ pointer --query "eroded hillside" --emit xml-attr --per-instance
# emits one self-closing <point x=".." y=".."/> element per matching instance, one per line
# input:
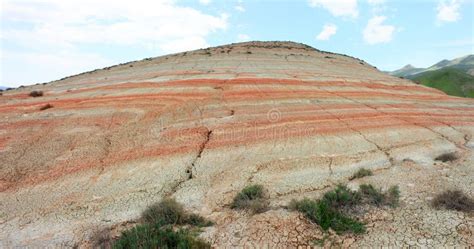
<point x="201" y="125"/>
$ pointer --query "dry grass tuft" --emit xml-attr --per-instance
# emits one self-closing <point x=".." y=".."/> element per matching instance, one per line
<point x="45" y="107"/>
<point x="362" y="172"/>
<point x="35" y="94"/>
<point x="453" y="200"/>
<point x="447" y="157"/>
<point x="251" y="198"/>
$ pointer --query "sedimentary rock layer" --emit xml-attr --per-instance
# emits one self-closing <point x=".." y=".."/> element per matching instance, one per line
<point x="199" y="126"/>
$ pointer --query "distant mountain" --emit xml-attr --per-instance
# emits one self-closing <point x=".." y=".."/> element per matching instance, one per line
<point x="464" y="64"/>
<point x="406" y="70"/>
<point x="451" y="80"/>
<point x="454" y="77"/>
<point x="3" y="87"/>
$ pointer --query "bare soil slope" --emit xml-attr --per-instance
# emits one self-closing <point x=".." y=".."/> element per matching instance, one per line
<point x="201" y="125"/>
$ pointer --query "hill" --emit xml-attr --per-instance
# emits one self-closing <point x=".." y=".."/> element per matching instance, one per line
<point x="84" y="156"/>
<point x="449" y="80"/>
<point x="464" y="64"/>
<point x="406" y="71"/>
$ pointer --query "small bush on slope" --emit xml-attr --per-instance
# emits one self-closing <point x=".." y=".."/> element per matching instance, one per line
<point x="170" y="212"/>
<point x="45" y="107"/>
<point x="165" y="212"/>
<point x="392" y="197"/>
<point x="342" y="196"/>
<point x="327" y="212"/>
<point x="197" y="220"/>
<point x="154" y="236"/>
<point x="376" y="197"/>
<point x="158" y="232"/>
<point x="35" y="94"/>
<point x="447" y="157"/>
<point x="321" y="212"/>
<point x="453" y="200"/>
<point x="361" y="173"/>
<point x="251" y="198"/>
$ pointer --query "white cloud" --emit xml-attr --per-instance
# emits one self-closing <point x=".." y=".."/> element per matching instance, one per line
<point x="205" y="2"/>
<point x="108" y="21"/>
<point x="343" y="8"/>
<point x="377" y="6"/>
<point x="448" y="11"/>
<point x="376" y="32"/>
<point x="180" y="45"/>
<point x="328" y="31"/>
<point x="376" y="2"/>
<point x="49" y="26"/>
<point x="243" y="37"/>
<point x="240" y="8"/>
<point x="42" y="67"/>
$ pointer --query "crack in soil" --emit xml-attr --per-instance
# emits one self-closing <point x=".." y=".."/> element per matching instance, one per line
<point x="189" y="169"/>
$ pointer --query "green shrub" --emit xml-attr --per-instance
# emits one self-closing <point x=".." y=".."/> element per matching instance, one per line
<point x="329" y="211"/>
<point x="376" y="197"/>
<point x="251" y="198"/>
<point x="342" y="196"/>
<point x="165" y="212"/>
<point x="251" y="192"/>
<point x="393" y="196"/>
<point x="157" y="229"/>
<point x="371" y="194"/>
<point x="154" y="236"/>
<point x="197" y="220"/>
<point x="322" y="213"/>
<point x="362" y="172"/>
<point x="170" y="212"/>
<point x="454" y="200"/>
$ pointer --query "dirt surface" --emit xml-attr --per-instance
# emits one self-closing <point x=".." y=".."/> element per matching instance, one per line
<point x="201" y="125"/>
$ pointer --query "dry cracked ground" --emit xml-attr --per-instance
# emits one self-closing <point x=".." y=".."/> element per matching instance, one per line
<point x="201" y="125"/>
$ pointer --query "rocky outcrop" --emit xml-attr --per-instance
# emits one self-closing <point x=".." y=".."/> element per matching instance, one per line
<point x="201" y="125"/>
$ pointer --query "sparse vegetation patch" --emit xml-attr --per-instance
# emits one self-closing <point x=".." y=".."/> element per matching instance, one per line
<point x="161" y="228"/>
<point x="154" y="236"/>
<point x="392" y="198"/>
<point x="321" y="212"/>
<point x="376" y="197"/>
<point x="362" y="172"/>
<point x="447" y="157"/>
<point x="251" y="198"/>
<point x="170" y="212"/>
<point x="453" y="200"/>
<point x="35" y="94"/>
<point x="165" y="212"/>
<point x="331" y="210"/>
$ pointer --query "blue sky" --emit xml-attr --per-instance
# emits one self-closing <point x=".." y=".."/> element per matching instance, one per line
<point x="44" y="40"/>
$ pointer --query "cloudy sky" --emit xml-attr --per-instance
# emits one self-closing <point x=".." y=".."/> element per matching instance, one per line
<point x="44" y="40"/>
